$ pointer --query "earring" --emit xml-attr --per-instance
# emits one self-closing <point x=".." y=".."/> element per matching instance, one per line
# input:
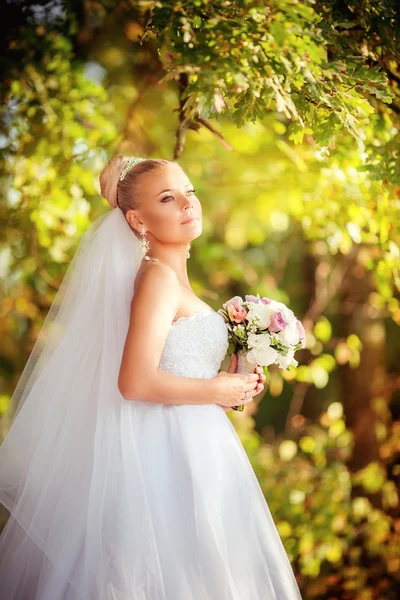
<point x="144" y="244"/>
<point x="188" y="253"/>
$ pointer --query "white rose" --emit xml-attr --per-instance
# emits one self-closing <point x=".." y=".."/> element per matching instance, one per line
<point x="287" y="314"/>
<point x="261" y="351"/>
<point x="257" y="339"/>
<point x="290" y="335"/>
<point x="285" y="361"/>
<point x="262" y="356"/>
<point x="260" y="311"/>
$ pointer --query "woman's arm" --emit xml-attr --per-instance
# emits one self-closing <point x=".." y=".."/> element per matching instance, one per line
<point x="153" y="307"/>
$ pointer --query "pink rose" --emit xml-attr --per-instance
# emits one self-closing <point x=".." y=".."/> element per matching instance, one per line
<point x="302" y="333"/>
<point x="236" y="310"/>
<point x="277" y="323"/>
<point x="251" y="298"/>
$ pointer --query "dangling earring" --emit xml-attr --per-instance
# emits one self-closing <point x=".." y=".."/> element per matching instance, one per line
<point x="188" y="252"/>
<point x="144" y="244"/>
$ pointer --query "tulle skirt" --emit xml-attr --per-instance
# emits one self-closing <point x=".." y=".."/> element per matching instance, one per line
<point x="173" y="511"/>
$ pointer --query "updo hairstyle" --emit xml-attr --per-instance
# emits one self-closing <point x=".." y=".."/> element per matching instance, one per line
<point x="124" y="194"/>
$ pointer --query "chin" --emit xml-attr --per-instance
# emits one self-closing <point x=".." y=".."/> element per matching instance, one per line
<point x="198" y="234"/>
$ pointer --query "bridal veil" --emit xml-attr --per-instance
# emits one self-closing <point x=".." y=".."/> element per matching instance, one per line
<point x="70" y="427"/>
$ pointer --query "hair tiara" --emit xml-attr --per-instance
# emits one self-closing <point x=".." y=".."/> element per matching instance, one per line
<point x="131" y="162"/>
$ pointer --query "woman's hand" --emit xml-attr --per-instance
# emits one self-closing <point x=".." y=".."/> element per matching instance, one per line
<point x="231" y="386"/>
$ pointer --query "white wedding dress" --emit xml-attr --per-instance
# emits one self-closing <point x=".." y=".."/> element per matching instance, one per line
<point x="180" y="517"/>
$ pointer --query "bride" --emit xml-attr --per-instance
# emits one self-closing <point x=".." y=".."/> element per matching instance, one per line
<point x="122" y="476"/>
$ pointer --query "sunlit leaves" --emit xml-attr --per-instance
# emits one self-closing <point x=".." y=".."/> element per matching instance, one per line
<point x="56" y="131"/>
<point x="334" y="534"/>
<point x="269" y="57"/>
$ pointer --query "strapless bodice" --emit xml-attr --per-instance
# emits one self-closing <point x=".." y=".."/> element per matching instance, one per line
<point x="196" y="345"/>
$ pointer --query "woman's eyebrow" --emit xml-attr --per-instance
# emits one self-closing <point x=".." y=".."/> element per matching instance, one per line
<point x="187" y="185"/>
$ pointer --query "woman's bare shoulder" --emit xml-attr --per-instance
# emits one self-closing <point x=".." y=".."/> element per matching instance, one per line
<point x="157" y="273"/>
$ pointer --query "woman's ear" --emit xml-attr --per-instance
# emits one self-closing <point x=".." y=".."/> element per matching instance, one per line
<point x="134" y="221"/>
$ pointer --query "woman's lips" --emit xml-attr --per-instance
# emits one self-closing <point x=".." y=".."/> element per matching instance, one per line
<point x="190" y="220"/>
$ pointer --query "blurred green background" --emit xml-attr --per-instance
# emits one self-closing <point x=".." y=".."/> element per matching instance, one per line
<point x="285" y="115"/>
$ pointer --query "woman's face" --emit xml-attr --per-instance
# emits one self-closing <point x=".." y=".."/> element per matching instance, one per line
<point x="166" y="202"/>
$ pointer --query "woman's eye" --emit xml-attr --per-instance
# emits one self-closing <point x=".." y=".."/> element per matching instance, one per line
<point x="166" y="197"/>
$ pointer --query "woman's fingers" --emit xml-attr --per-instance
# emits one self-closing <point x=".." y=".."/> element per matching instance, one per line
<point x="261" y="378"/>
<point x="259" y="369"/>
<point x="251" y="382"/>
<point x="250" y="395"/>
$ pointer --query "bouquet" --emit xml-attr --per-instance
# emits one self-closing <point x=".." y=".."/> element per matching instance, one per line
<point x="261" y="332"/>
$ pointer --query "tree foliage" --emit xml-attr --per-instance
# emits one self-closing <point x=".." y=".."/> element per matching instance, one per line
<point x="340" y="529"/>
<point x="306" y="60"/>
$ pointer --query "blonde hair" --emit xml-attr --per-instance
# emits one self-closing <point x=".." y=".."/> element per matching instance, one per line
<point x="123" y="194"/>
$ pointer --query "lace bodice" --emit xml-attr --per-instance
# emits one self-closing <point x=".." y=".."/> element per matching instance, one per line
<point x="196" y="345"/>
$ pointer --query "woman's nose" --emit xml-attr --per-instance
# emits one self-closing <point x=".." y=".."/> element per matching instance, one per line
<point x="187" y="201"/>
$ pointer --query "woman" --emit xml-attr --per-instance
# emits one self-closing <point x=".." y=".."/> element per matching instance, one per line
<point x="123" y="477"/>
